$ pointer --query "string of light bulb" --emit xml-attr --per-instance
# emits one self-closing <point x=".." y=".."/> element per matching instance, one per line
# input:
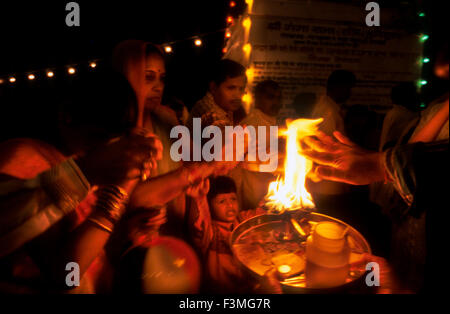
<point x="72" y="69"/>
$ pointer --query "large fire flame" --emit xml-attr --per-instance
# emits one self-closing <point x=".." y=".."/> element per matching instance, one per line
<point x="289" y="192"/>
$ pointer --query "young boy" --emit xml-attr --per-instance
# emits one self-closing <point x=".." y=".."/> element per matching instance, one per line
<point x="213" y="216"/>
<point x="224" y="96"/>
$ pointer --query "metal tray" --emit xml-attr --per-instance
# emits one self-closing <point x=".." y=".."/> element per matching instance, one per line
<point x="263" y="242"/>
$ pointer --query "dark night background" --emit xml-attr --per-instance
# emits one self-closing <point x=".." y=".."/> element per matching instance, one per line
<point x="34" y="36"/>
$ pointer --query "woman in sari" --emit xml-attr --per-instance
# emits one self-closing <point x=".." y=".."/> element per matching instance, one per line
<point x="158" y="204"/>
<point x="59" y="202"/>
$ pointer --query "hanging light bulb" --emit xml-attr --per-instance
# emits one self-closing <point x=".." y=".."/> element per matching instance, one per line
<point x="247" y="48"/>
<point x="249" y="4"/>
<point x="50" y="74"/>
<point x="168" y="49"/>
<point x="424" y="37"/>
<point x="420" y="83"/>
<point x="247" y="100"/>
<point x="198" y="42"/>
<point x="247" y="23"/>
<point x="31" y="76"/>
<point x="249" y="73"/>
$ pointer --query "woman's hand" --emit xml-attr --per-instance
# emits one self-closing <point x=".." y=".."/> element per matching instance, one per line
<point x="199" y="190"/>
<point x="269" y="283"/>
<point x="122" y="161"/>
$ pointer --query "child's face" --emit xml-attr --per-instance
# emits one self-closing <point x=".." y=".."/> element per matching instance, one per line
<point x="225" y="207"/>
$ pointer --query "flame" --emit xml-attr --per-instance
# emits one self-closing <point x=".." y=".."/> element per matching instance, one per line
<point x="289" y="192"/>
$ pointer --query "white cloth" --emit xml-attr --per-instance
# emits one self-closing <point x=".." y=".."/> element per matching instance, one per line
<point x="257" y="117"/>
<point x="385" y="194"/>
<point x="333" y="120"/>
<point x="251" y="184"/>
<point x="331" y="113"/>
<point x="29" y="207"/>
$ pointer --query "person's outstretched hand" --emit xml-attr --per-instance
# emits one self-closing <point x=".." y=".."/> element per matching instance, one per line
<point x="269" y="283"/>
<point x="121" y="161"/>
<point x="343" y="160"/>
<point x="199" y="190"/>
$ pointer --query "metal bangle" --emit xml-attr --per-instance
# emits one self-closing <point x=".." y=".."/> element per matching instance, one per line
<point x="100" y="225"/>
<point x="111" y="201"/>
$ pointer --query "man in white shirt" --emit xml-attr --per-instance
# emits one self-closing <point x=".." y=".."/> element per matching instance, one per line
<point x="252" y="185"/>
<point x="330" y="106"/>
<point x="267" y="104"/>
<point x="329" y="196"/>
<point x="405" y="100"/>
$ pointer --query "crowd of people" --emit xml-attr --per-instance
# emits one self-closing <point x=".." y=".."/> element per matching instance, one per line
<point x="106" y="194"/>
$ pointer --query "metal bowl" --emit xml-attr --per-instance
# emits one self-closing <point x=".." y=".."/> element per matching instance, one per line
<point x="269" y="240"/>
